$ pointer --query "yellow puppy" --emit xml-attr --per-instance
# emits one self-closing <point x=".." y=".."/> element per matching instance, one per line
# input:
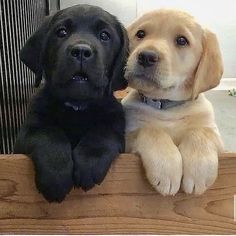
<point x="170" y="123"/>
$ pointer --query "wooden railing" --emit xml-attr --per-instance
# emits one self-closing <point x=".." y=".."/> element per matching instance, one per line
<point x="123" y="203"/>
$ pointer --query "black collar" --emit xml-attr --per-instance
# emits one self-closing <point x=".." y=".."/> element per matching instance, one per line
<point x="161" y="104"/>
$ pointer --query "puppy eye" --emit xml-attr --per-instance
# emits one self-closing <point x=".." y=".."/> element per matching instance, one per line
<point x="140" y="34"/>
<point x="61" y="32"/>
<point x="181" y="41"/>
<point x="105" y="36"/>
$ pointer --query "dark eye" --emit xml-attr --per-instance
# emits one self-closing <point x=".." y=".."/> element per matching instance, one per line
<point x="140" y="34"/>
<point x="181" y="41"/>
<point x="61" y="32"/>
<point x="105" y="36"/>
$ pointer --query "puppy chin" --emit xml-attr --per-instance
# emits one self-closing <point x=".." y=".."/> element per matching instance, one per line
<point x="76" y="93"/>
<point x="157" y="88"/>
<point x="79" y="86"/>
<point x="141" y="81"/>
<point x="84" y="93"/>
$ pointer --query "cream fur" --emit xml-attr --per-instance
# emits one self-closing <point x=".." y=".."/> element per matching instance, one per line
<point x="178" y="146"/>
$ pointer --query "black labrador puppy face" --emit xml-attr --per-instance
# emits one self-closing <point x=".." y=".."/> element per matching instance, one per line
<point x="81" y="51"/>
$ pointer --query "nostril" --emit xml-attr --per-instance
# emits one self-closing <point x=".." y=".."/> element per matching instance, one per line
<point x="81" y="52"/>
<point x="147" y="58"/>
<point x="152" y="58"/>
<point x="141" y="58"/>
<point x="75" y="52"/>
<point x="87" y="53"/>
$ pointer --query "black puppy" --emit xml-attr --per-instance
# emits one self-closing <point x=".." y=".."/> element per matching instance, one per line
<point x="75" y="126"/>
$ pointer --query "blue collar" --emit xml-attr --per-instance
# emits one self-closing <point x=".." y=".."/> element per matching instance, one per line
<point x="161" y="104"/>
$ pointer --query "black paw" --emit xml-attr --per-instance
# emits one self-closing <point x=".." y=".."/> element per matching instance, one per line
<point x="54" y="184"/>
<point x="90" y="170"/>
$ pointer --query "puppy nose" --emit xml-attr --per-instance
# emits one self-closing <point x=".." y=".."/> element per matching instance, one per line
<point x="82" y="52"/>
<point x="147" y="58"/>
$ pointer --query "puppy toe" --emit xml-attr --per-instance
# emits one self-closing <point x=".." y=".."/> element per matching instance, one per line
<point x="54" y="195"/>
<point x="86" y="186"/>
<point x="174" y="188"/>
<point x="88" y="175"/>
<point x="196" y="184"/>
<point x="165" y="176"/>
<point x="210" y="180"/>
<point x="199" y="174"/>
<point x="100" y="171"/>
<point x="99" y="177"/>
<point x="200" y="188"/>
<point x="188" y="185"/>
<point x="54" y="189"/>
<point x="164" y="187"/>
<point x="86" y="180"/>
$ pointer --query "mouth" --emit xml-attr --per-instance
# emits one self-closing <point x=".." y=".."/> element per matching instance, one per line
<point x="146" y="80"/>
<point x="80" y="78"/>
<point x="140" y="76"/>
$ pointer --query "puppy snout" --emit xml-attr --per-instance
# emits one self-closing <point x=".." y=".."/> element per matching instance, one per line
<point x="147" y="58"/>
<point x="82" y="52"/>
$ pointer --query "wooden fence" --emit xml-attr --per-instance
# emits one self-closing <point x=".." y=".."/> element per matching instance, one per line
<point x="123" y="203"/>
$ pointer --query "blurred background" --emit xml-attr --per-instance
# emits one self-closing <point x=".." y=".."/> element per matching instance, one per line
<point x="19" y="19"/>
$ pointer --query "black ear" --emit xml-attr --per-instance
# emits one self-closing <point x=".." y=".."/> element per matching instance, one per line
<point x="32" y="52"/>
<point x="118" y="80"/>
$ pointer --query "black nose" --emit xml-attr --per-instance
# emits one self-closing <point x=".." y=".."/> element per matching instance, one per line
<point x="82" y="52"/>
<point x="147" y="58"/>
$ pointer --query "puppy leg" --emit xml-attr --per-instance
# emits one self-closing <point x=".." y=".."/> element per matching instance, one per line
<point x="161" y="159"/>
<point x="93" y="156"/>
<point x="199" y="150"/>
<point x="51" y="154"/>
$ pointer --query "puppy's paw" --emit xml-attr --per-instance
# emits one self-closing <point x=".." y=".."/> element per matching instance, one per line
<point x="54" y="185"/>
<point x="200" y="172"/>
<point x="164" y="172"/>
<point x="54" y="182"/>
<point x="89" y="170"/>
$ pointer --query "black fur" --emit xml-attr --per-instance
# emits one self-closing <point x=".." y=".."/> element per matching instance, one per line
<point x="74" y="129"/>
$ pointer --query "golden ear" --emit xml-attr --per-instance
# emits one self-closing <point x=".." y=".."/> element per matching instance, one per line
<point x="210" y="68"/>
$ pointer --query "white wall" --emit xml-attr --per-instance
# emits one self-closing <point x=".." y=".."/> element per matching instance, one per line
<point x="219" y="16"/>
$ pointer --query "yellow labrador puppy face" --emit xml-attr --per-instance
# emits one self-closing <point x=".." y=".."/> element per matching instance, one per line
<point x="167" y="47"/>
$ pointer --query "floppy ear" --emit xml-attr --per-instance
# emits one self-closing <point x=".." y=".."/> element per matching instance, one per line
<point x="118" y="80"/>
<point x="210" y="68"/>
<point x="32" y="52"/>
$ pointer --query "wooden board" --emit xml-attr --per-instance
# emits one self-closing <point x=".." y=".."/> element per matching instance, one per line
<point x="123" y="203"/>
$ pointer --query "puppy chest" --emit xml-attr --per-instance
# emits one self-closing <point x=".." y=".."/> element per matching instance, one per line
<point x="140" y="118"/>
<point x="75" y="123"/>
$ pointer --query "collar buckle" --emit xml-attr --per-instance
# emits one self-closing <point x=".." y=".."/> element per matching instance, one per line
<point x="159" y="105"/>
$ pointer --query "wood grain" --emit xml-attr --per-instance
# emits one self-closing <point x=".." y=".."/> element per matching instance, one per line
<point x="123" y="203"/>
